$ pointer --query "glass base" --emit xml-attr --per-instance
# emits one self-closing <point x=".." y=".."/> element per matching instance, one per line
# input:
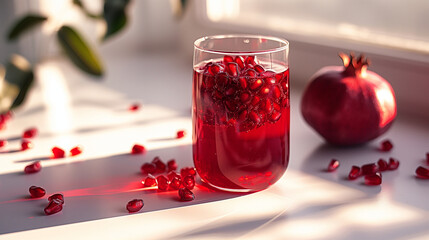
<point x="242" y="190"/>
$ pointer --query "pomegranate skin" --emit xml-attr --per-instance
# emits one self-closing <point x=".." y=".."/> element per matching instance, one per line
<point x="348" y="105"/>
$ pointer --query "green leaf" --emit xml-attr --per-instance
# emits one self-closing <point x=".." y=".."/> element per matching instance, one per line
<point x="115" y="16"/>
<point x="79" y="4"/>
<point x="78" y="51"/>
<point x="18" y="80"/>
<point x="24" y="24"/>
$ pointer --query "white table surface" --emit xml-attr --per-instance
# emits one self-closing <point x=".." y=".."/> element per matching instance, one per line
<point x="306" y="203"/>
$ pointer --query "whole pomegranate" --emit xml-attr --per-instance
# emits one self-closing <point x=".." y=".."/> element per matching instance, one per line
<point x="349" y="105"/>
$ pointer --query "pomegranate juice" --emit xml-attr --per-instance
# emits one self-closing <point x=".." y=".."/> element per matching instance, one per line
<point x="241" y="123"/>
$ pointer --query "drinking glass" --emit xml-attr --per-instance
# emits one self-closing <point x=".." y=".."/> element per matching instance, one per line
<point x="240" y="111"/>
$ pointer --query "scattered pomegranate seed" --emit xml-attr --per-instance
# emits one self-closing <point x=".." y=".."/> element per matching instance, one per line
<point x="386" y="146"/>
<point x="56" y="197"/>
<point x="150" y="181"/>
<point x="393" y="164"/>
<point x="25" y="144"/>
<point x="135" y="205"/>
<point x="175" y="183"/>
<point x="333" y="165"/>
<point x="58" y="152"/>
<point x="355" y="172"/>
<point x="173" y="174"/>
<point x="186" y="194"/>
<point x="188" y="171"/>
<point x="134" y="107"/>
<point x="422" y="172"/>
<point x="33" y="168"/>
<point x="148" y="168"/>
<point x="138" y="149"/>
<point x="30" y="133"/>
<point x="36" y="192"/>
<point x="171" y="165"/>
<point x="374" y="179"/>
<point x="382" y="165"/>
<point x="162" y="183"/>
<point x="53" y="207"/>
<point x="76" y="151"/>
<point x="3" y="143"/>
<point x="189" y="182"/>
<point x="369" y="169"/>
<point x="159" y="164"/>
<point x="181" y="134"/>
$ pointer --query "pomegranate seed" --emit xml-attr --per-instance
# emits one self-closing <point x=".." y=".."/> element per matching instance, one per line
<point x="188" y="171"/>
<point x="30" y="133"/>
<point x="150" y="181"/>
<point x="171" y="165"/>
<point x="422" y="172"/>
<point x="374" y="179"/>
<point x="254" y="117"/>
<point x="244" y="97"/>
<point x="386" y="146"/>
<point x="265" y="91"/>
<point x="33" y="168"/>
<point x="138" y="149"/>
<point x="186" y="194"/>
<point x="382" y="165"/>
<point x="135" y="205"/>
<point x="148" y="168"/>
<point x="53" y="207"/>
<point x="230" y="92"/>
<point x="250" y="60"/>
<point x="134" y="107"/>
<point x="58" y="197"/>
<point x="180" y="134"/>
<point x="173" y="174"/>
<point x="159" y="164"/>
<point x="333" y="165"/>
<point x="239" y="61"/>
<point x="393" y="164"/>
<point x="214" y="69"/>
<point x="243" y="82"/>
<point x="258" y="68"/>
<point x="36" y="192"/>
<point x="162" y="183"/>
<point x="25" y="144"/>
<point x="227" y="59"/>
<point x="269" y="75"/>
<point x="369" y="169"/>
<point x="58" y="152"/>
<point x="275" y="116"/>
<point x="210" y="82"/>
<point x="279" y="77"/>
<point x="256" y="84"/>
<point x="175" y="183"/>
<point x="189" y="182"/>
<point x="232" y="69"/>
<point x="250" y="73"/>
<point x="3" y="143"/>
<point x="76" y="151"/>
<point x="267" y="106"/>
<point x="355" y="172"/>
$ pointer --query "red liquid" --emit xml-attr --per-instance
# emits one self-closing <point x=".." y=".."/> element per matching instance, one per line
<point x="241" y="126"/>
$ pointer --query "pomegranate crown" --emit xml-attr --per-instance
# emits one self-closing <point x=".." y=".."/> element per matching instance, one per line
<point x="353" y="66"/>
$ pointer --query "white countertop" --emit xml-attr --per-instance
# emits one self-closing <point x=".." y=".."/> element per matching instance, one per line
<point x="306" y="203"/>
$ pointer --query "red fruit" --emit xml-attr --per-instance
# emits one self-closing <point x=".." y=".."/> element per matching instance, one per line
<point x="239" y="61"/>
<point x="355" y="172"/>
<point x="256" y="84"/>
<point x="175" y="183"/>
<point x="148" y="168"/>
<point x="138" y="149"/>
<point x="188" y="171"/>
<point x="382" y="165"/>
<point x="250" y="60"/>
<point x="3" y="143"/>
<point x="422" y="172"/>
<point x="25" y="144"/>
<point x="58" y="197"/>
<point x="76" y="151"/>
<point x="150" y="181"/>
<point x="393" y="164"/>
<point x="374" y="179"/>
<point x="135" y="205"/>
<point x="58" y="152"/>
<point x="333" y="165"/>
<point x="369" y="169"/>
<point x="232" y="69"/>
<point x="188" y="182"/>
<point x="53" y="207"/>
<point x="36" y="192"/>
<point x="259" y="68"/>
<point x="30" y="133"/>
<point x="159" y="164"/>
<point x="186" y="194"/>
<point x="227" y="59"/>
<point x="134" y="107"/>
<point x="33" y="168"/>
<point x="162" y="182"/>
<point x="349" y="105"/>
<point x="171" y="165"/>
<point x="173" y="174"/>
<point x="180" y="134"/>
<point x="386" y="146"/>
<point x="214" y="69"/>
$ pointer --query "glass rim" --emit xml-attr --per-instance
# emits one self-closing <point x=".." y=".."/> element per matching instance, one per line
<point x="285" y="44"/>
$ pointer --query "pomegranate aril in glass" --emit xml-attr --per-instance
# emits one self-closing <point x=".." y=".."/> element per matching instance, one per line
<point x="240" y="111"/>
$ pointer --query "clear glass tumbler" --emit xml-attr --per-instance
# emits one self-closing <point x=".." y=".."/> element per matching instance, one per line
<point x="240" y="111"/>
